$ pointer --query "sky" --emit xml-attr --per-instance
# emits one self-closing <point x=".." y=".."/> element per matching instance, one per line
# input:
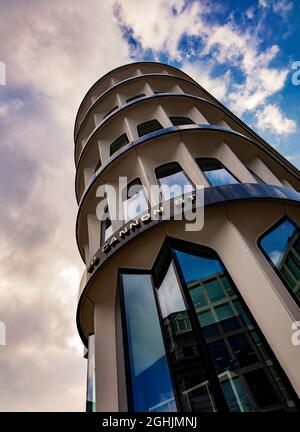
<point x="242" y="52"/>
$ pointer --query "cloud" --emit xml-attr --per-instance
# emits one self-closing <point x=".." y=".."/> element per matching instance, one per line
<point x="250" y="79"/>
<point x="53" y="52"/>
<point x="202" y="73"/>
<point x="282" y="7"/>
<point x="271" y="118"/>
<point x="157" y="27"/>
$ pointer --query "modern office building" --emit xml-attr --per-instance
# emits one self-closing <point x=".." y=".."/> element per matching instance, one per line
<point x="174" y="319"/>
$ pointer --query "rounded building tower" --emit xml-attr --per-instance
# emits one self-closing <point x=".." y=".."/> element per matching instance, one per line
<point x="173" y="318"/>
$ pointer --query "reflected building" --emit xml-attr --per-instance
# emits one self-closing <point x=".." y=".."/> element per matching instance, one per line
<point x="173" y="319"/>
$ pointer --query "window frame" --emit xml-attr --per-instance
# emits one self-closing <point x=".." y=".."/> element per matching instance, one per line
<point x="114" y="141"/>
<point x="128" y="371"/>
<point x="190" y="122"/>
<point x="136" y="181"/>
<point x="181" y="170"/>
<point x="223" y="166"/>
<point x="165" y="255"/>
<point x="144" y="123"/>
<point x="270" y="262"/>
<point x="132" y="98"/>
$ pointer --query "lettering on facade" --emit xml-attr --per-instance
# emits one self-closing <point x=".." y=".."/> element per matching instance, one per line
<point x="133" y="226"/>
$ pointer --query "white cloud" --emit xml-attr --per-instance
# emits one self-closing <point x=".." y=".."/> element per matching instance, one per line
<point x="271" y="118"/>
<point x="201" y="73"/>
<point x="263" y="3"/>
<point x="224" y="44"/>
<point x="250" y="12"/>
<point x="156" y="27"/>
<point x="53" y="51"/>
<point x="276" y="257"/>
<point x="282" y="7"/>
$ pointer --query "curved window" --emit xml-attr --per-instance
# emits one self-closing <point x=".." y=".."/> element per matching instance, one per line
<point x="134" y="200"/>
<point x="193" y="344"/>
<point x="281" y="246"/>
<point x="106" y="226"/>
<point x="148" y="127"/>
<point x="97" y="166"/>
<point x="179" y="121"/>
<point x="132" y="98"/>
<point x="121" y="141"/>
<point x="173" y="180"/>
<point x="111" y="111"/>
<point x="215" y="173"/>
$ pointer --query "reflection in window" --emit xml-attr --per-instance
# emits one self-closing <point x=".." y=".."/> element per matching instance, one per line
<point x="150" y="378"/>
<point x="244" y="364"/>
<point x="189" y="371"/>
<point x="121" y="141"/>
<point x="215" y="172"/>
<point x="173" y="180"/>
<point x="134" y="200"/>
<point x="281" y="245"/>
<point x="106" y="226"/>
<point x="148" y="126"/>
<point x="132" y="98"/>
<point x="179" y="121"/>
<point x="91" y="385"/>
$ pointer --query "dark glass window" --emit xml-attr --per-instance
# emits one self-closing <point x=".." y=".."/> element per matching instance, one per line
<point x="188" y="366"/>
<point x="106" y="226"/>
<point x="134" y="200"/>
<point x="246" y="369"/>
<point x="109" y="112"/>
<point x="281" y="247"/>
<point x="135" y="97"/>
<point x="121" y="141"/>
<point x="148" y="126"/>
<point x="97" y="166"/>
<point x="173" y="180"/>
<point x="91" y="393"/>
<point x="178" y="121"/>
<point x="215" y="172"/>
<point x="191" y="343"/>
<point x="151" y="384"/>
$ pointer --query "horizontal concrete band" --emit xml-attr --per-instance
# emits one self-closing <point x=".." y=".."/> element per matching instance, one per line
<point x="148" y="137"/>
<point x="133" y="64"/>
<point x="127" y="81"/>
<point x="139" y="102"/>
<point x="212" y="196"/>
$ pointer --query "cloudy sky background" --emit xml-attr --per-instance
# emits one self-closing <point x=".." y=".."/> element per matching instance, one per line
<point x="54" y="51"/>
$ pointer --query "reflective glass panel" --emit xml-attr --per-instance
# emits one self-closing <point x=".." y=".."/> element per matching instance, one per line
<point x="189" y="372"/>
<point x="173" y="181"/>
<point x="280" y="245"/>
<point x="151" y="385"/>
<point x="216" y="173"/>
<point x="245" y="366"/>
<point x="134" y="200"/>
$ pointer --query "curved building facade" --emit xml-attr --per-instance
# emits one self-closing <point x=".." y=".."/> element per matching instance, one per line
<point x="177" y="319"/>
